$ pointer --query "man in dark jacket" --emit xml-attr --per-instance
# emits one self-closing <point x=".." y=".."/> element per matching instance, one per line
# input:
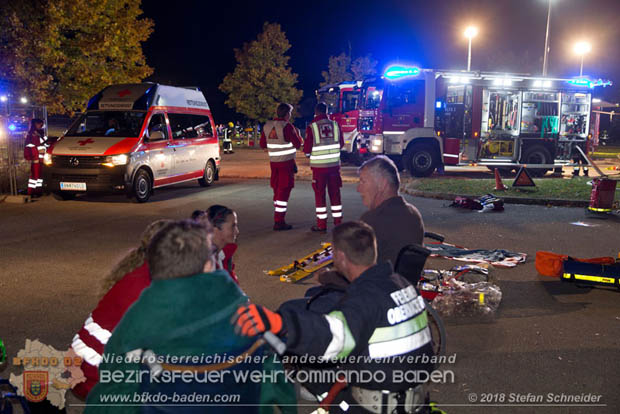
<point x="395" y="222"/>
<point x="380" y="325"/>
<point x="171" y="352"/>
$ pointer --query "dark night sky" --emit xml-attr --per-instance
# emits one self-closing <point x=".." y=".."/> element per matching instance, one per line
<point x="193" y="40"/>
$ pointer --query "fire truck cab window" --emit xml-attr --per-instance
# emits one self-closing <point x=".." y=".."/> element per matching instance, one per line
<point x="500" y="113"/>
<point x="350" y="101"/>
<point x="373" y="97"/>
<point x="331" y="99"/>
<point x="404" y="93"/>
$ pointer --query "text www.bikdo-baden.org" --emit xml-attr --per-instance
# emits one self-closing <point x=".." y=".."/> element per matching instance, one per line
<point x="159" y="398"/>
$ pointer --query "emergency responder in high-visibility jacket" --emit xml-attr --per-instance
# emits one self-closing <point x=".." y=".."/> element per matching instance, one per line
<point x="227" y="143"/>
<point x="281" y="139"/>
<point x="380" y="325"/>
<point x="34" y="150"/>
<point x="322" y="145"/>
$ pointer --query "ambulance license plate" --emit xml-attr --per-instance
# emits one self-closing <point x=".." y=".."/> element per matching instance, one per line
<point x="73" y="186"/>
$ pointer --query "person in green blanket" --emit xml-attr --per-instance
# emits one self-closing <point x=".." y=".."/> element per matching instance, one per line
<point x="175" y="350"/>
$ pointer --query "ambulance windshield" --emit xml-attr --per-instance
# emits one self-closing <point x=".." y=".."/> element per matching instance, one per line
<point x="108" y="124"/>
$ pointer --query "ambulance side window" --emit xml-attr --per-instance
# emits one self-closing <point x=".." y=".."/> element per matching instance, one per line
<point x="157" y="129"/>
<point x="178" y="126"/>
<point x="200" y="126"/>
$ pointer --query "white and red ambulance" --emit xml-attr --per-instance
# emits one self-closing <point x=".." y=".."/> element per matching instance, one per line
<point x="134" y="138"/>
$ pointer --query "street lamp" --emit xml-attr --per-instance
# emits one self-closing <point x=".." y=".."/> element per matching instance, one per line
<point x="581" y="49"/>
<point x="470" y="33"/>
<point x="23" y="100"/>
<point x="546" y="41"/>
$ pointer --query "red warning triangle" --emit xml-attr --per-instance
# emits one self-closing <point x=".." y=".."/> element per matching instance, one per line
<point x="523" y="179"/>
<point x="273" y="134"/>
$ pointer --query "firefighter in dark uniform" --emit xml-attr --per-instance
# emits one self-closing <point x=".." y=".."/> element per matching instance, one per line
<point x="381" y="316"/>
<point x="322" y="145"/>
<point x="579" y="159"/>
<point x="228" y="133"/>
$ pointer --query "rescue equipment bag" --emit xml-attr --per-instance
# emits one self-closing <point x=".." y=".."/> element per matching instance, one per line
<point x="591" y="273"/>
<point x="551" y="264"/>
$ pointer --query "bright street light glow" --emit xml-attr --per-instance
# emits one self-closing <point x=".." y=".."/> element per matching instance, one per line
<point x="23" y="100"/>
<point x="471" y="31"/>
<point x="3" y="98"/>
<point x="581" y="48"/>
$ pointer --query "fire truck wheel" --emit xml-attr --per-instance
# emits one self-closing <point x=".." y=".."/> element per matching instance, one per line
<point x="537" y="154"/>
<point x="420" y="160"/>
<point x="142" y="186"/>
<point x="208" y="175"/>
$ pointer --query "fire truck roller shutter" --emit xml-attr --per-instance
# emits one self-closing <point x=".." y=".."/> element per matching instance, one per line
<point x="422" y="157"/>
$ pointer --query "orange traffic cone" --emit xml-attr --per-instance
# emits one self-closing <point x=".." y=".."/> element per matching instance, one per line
<point x="499" y="185"/>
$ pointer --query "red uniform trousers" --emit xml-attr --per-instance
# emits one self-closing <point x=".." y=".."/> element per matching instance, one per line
<point x="282" y="182"/>
<point x="35" y="182"/>
<point x="330" y="178"/>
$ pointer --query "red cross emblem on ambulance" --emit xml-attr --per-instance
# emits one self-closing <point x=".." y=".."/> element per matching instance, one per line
<point x="124" y="93"/>
<point x="326" y="131"/>
<point x="86" y="141"/>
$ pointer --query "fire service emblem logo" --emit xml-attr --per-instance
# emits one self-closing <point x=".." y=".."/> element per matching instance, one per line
<point x="35" y="385"/>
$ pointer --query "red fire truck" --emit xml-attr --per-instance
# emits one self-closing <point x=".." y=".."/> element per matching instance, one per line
<point x="342" y="101"/>
<point x="425" y="119"/>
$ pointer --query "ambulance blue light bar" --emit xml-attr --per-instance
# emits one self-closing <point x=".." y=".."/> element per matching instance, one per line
<point x="396" y="72"/>
<point x="587" y="83"/>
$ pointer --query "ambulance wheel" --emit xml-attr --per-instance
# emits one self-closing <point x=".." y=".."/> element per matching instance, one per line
<point x="142" y="186"/>
<point x="420" y="160"/>
<point x="208" y="176"/>
<point x="63" y="195"/>
<point x="537" y="154"/>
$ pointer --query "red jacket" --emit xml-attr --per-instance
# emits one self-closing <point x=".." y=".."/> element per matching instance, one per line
<point x="224" y="260"/>
<point x="309" y="142"/>
<point x="89" y="342"/>
<point x="290" y="135"/>
<point x="32" y="144"/>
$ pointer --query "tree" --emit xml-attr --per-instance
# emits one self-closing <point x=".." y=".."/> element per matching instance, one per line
<point x="363" y="67"/>
<point x="262" y="77"/>
<point x="337" y="70"/>
<point x="61" y="52"/>
<point x="340" y="68"/>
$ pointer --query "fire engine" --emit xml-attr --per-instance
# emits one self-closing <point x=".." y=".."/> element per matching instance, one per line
<point x="342" y="101"/>
<point x="425" y="119"/>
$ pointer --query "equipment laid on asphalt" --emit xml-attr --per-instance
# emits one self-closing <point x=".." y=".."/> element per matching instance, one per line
<point x="552" y="264"/>
<point x="593" y="274"/>
<point x="497" y="257"/>
<point x="304" y="267"/>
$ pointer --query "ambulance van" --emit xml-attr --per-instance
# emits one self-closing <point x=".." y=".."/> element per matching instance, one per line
<point x="134" y="138"/>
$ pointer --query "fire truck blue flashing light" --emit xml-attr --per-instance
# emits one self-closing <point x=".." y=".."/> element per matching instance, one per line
<point x="438" y="104"/>
<point x="12" y="127"/>
<point x="396" y="72"/>
<point x="587" y="83"/>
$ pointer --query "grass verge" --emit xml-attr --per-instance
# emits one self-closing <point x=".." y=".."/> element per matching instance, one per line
<point x="546" y="189"/>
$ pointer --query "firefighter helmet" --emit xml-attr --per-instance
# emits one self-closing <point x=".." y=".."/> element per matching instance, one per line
<point x="230" y="124"/>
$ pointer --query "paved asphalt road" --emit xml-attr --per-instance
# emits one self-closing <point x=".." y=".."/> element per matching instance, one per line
<point x="547" y="337"/>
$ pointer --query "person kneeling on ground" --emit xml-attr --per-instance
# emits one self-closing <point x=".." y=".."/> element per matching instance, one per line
<point x="121" y="288"/>
<point x="178" y="332"/>
<point x="380" y="316"/>
<point x="225" y="233"/>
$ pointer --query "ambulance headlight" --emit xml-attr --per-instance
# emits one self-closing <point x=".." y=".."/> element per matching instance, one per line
<point x="47" y="159"/>
<point x="114" y="160"/>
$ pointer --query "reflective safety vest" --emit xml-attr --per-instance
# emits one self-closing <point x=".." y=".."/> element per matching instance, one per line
<point x="326" y="146"/>
<point x="279" y="149"/>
